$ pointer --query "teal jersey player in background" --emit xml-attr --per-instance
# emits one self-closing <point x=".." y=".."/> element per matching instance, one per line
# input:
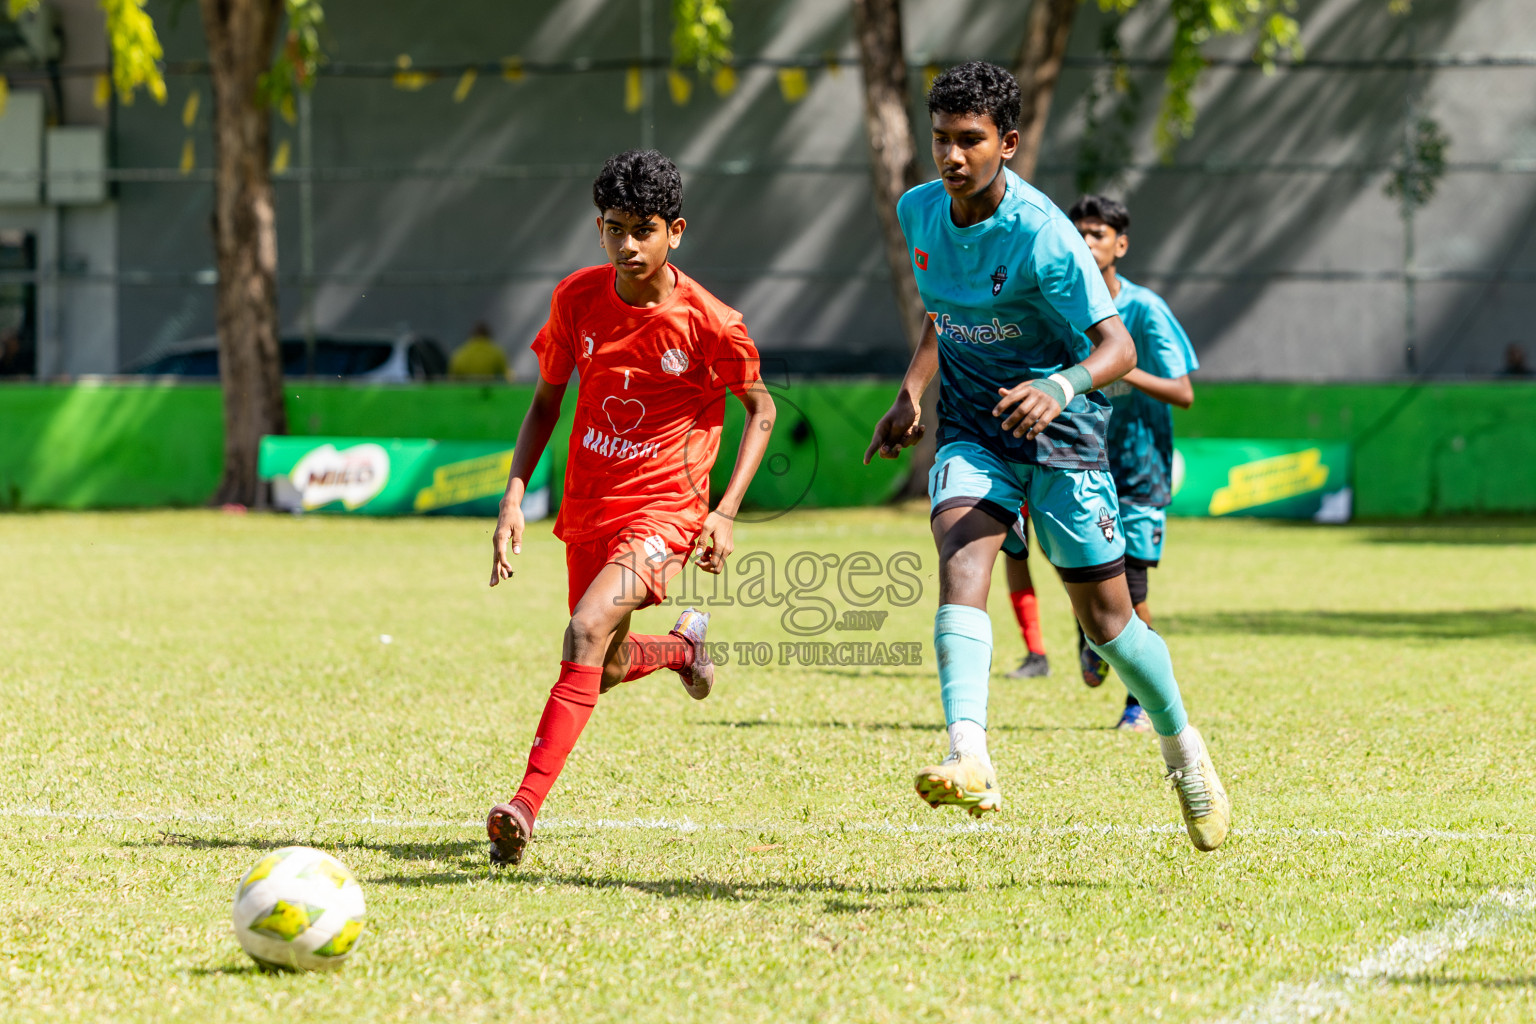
<point x="1022" y="331"/>
<point x="1141" y="427"/>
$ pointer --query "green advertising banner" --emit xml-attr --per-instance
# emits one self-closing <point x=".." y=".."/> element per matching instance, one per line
<point x="1272" y="478"/>
<point x="395" y="476"/>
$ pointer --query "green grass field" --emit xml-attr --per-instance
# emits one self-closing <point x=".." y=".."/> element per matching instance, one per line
<point x="180" y="691"/>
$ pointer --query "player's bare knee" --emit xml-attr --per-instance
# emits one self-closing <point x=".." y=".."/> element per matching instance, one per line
<point x="964" y="580"/>
<point x="589" y="632"/>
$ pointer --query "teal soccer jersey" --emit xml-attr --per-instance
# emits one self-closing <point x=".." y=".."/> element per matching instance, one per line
<point x="1141" y="429"/>
<point x="1010" y="298"/>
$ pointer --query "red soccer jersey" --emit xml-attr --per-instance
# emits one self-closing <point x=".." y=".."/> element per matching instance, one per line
<point x="649" y="402"/>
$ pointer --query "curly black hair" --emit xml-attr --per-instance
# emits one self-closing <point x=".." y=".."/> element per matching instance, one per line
<point x="1110" y="211"/>
<point x="641" y="182"/>
<point x="977" y="87"/>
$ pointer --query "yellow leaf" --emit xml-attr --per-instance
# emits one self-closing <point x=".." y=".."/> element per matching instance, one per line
<point x="466" y="83"/>
<point x="793" y="84"/>
<point x="5" y="94"/>
<point x="724" y="80"/>
<point x="929" y="74"/>
<point x="286" y="109"/>
<point x="135" y="49"/>
<point x="680" y="87"/>
<point x="512" y="69"/>
<point x="188" y="157"/>
<point x="634" y="93"/>
<point x="189" y="109"/>
<point x="280" y="159"/>
<point x="101" y="95"/>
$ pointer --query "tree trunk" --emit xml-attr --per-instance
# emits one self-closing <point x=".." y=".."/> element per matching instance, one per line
<point x="1038" y="69"/>
<point x="893" y="166"/>
<point x="892" y="159"/>
<point x="241" y="34"/>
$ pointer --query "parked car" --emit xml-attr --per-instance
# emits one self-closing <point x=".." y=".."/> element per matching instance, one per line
<point x="373" y="357"/>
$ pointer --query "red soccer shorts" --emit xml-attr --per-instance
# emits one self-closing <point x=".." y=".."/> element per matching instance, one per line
<point x="653" y="551"/>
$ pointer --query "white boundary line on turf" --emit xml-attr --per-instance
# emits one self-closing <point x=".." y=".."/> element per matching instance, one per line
<point x="1405" y="958"/>
<point x="686" y="825"/>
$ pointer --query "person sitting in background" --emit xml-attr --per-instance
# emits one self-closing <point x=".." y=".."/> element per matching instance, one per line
<point x="479" y="357"/>
<point x="1514" y="362"/>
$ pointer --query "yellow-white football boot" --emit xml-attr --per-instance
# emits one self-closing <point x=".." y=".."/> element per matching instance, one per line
<point x="1202" y="798"/>
<point x="963" y="780"/>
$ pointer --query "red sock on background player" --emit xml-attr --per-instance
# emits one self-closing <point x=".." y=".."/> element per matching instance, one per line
<point x="1026" y="609"/>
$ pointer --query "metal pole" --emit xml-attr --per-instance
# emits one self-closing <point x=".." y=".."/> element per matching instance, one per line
<point x="307" y="230"/>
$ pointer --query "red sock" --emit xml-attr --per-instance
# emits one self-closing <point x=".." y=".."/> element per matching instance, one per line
<point x="1027" y="610"/>
<point x="649" y="653"/>
<point x="565" y="714"/>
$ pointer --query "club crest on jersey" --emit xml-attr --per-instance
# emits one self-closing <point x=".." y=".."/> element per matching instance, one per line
<point x="999" y="277"/>
<point x="981" y="334"/>
<point x="674" y="361"/>
<point x="655" y="548"/>
<point x="586" y="339"/>
<point x="920" y="258"/>
<point x="1106" y="523"/>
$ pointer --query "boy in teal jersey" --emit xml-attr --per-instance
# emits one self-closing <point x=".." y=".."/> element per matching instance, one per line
<point x="1022" y="332"/>
<point x="1141" y="428"/>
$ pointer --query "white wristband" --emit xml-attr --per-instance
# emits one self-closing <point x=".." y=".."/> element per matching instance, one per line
<point x="1066" y="388"/>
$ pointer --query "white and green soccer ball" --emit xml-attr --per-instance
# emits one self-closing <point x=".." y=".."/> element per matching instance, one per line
<point x="299" y="909"/>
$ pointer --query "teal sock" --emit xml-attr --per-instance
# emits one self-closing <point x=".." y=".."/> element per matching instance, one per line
<point x="1142" y="659"/>
<point x="962" y="641"/>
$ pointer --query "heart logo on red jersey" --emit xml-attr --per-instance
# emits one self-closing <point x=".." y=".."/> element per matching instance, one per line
<point x="624" y="414"/>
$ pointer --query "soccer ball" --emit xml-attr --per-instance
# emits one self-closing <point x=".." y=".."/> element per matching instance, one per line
<point x="298" y="909"/>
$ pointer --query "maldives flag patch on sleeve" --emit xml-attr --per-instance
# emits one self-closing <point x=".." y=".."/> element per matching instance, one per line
<point x="920" y="258"/>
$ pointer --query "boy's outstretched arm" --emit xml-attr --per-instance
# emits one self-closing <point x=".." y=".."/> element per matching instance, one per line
<point x="715" y="543"/>
<point x="532" y="437"/>
<point x="899" y="428"/>
<point x="1168" y="390"/>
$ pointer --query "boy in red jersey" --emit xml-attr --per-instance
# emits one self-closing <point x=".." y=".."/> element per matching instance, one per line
<point x="655" y="354"/>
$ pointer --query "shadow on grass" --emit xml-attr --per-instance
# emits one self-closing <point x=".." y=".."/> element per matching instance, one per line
<point x="888" y="726"/>
<point x="1480" y="531"/>
<point x="238" y="970"/>
<point x="840" y="896"/>
<point x="867" y="672"/>
<point x="1438" y="980"/>
<point x="1467" y="624"/>
<point x="443" y="850"/>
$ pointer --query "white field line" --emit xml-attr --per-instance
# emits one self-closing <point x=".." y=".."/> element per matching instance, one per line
<point x="687" y="825"/>
<point x="1405" y="958"/>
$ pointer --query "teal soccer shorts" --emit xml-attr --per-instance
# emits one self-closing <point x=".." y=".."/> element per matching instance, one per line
<point x="1075" y="513"/>
<point x="1143" y="532"/>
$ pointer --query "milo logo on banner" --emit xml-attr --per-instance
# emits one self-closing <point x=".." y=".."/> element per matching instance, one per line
<point x="393" y="477"/>
<point x="352" y="476"/>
